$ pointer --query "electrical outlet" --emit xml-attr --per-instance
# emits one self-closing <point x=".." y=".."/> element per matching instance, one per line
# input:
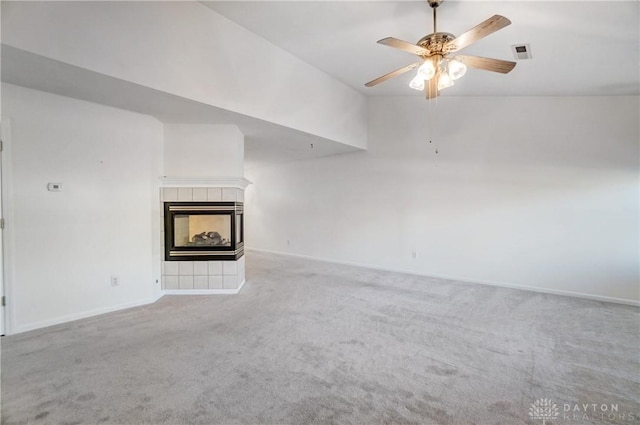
<point x="288" y="242"/>
<point x="414" y="255"/>
<point x="115" y="280"/>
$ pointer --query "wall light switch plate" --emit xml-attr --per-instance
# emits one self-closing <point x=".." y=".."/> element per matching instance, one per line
<point x="54" y="187"/>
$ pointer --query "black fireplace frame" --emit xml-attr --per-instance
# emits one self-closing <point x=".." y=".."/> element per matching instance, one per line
<point x="203" y="253"/>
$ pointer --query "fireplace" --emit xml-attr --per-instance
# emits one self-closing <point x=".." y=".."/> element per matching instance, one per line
<point x="203" y="231"/>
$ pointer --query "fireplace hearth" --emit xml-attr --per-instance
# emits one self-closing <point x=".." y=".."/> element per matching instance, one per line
<point x="203" y="231"/>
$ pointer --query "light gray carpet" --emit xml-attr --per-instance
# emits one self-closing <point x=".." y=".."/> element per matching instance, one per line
<point x="316" y="343"/>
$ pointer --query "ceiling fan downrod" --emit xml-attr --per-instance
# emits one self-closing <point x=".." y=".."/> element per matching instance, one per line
<point x="434" y="5"/>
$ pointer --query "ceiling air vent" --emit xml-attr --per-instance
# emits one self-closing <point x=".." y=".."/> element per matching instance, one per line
<point x="521" y="51"/>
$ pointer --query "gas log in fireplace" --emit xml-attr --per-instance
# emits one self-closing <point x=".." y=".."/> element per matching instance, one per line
<point x="201" y="231"/>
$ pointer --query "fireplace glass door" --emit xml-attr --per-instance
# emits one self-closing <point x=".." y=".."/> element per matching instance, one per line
<point x="204" y="231"/>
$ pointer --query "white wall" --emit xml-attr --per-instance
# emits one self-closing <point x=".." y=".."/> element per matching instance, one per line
<point x="531" y="192"/>
<point x="186" y="49"/>
<point x="66" y="245"/>
<point x="203" y="151"/>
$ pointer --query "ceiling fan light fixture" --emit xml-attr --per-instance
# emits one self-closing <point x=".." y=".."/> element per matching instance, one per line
<point x="444" y="81"/>
<point x="456" y="68"/>
<point x="417" y="83"/>
<point x="427" y="70"/>
<point x="436" y="70"/>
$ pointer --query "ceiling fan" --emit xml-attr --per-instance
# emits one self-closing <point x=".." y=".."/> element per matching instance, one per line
<point x="438" y="69"/>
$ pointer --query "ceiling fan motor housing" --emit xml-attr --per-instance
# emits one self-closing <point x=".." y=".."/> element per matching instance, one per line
<point x="435" y="42"/>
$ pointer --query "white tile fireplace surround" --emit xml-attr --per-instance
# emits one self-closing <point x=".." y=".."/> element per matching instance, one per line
<point x="204" y="276"/>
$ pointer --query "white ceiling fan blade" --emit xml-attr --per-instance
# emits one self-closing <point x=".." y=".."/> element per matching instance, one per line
<point x="491" y="25"/>
<point x="392" y="74"/>
<point x="487" y="64"/>
<point x="431" y="88"/>
<point x="404" y="45"/>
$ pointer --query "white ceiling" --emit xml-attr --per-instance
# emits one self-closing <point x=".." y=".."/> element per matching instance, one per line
<point x="578" y="47"/>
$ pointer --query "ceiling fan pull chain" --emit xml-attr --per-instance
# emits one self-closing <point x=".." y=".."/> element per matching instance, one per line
<point x="435" y="124"/>
<point x="430" y="121"/>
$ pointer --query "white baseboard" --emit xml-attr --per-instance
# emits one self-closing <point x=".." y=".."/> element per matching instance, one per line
<point x="99" y="311"/>
<point x="200" y="291"/>
<point x="82" y="315"/>
<point x="593" y="297"/>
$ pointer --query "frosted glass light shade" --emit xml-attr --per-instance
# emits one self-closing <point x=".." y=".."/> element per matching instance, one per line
<point x="456" y="69"/>
<point x="444" y="81"/>
<point x="427" y="70"/>
<point x="417" y="83"/>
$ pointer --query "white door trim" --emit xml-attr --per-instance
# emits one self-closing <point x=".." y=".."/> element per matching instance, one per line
<point x="7" y="233"/>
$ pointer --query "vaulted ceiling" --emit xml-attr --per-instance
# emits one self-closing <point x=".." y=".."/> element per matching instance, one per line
<point x="579" y="47"/>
